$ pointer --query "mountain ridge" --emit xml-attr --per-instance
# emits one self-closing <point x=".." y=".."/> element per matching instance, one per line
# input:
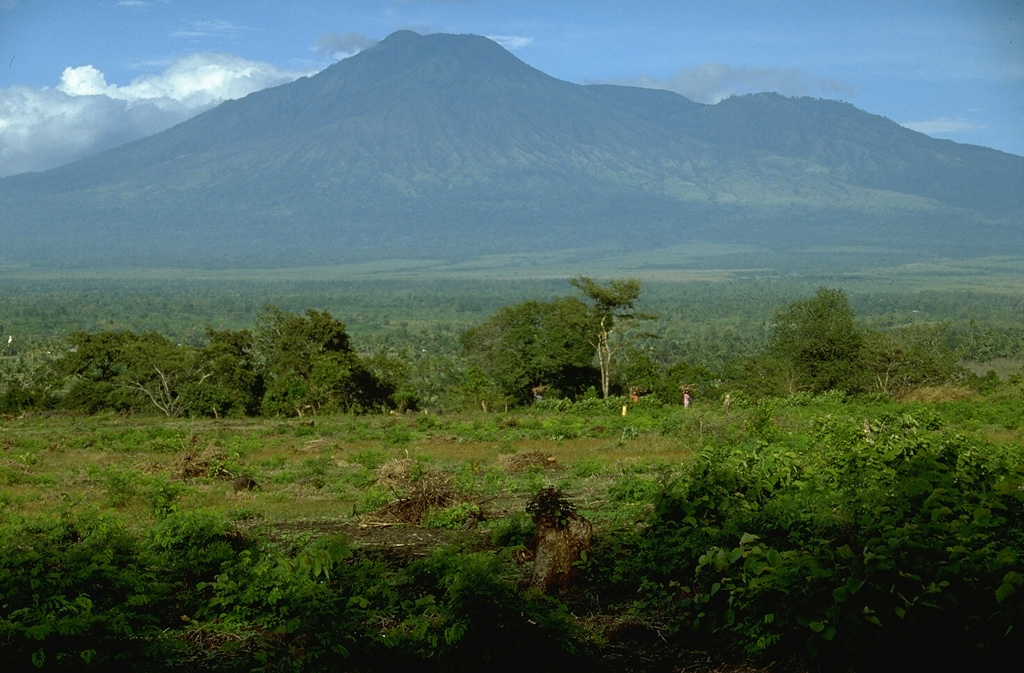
<point x="448" y="145"/>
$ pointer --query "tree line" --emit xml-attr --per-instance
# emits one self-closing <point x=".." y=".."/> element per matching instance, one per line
<point x="596" y="342"/>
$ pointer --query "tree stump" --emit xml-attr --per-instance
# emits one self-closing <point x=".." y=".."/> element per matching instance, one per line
<point x="562" y="537"/>
<point x="244" y="482"/>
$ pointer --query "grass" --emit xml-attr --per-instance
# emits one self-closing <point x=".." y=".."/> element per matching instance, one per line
<point x="327" y="470"/>
<point x="345" y="475"/>
<point x="324" y="472"/>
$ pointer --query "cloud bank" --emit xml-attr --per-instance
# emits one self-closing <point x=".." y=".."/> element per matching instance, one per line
<point x="337" y="47"/>
<point x="713" y="82"/>
<point x="44" y="128"/>
<point x="511" y="42"/>
<point x="942" y="126"/>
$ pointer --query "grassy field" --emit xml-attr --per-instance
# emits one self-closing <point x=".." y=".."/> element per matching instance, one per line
<point x="321" y="470"/>
<point x="419" y="524"/>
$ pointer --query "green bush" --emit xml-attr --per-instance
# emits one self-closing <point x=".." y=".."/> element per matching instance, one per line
<point x="195" y="546"/>
<point x="633" y="488"/>
<point x="298" y="608"/>
<point x="451" y="518"/>
<point x="893" y="540"/>
<point x="374" y="498"/>
<point x="78" y="594"/>
<point x="160" y="494"/>
<point x="120" y="487"/>
<point x="512" y="531"/>
<point x="464" y="616"/>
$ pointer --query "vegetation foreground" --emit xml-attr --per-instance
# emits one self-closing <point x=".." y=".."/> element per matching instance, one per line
<point x="815" y="532"/>
<point x="802" y="492"/>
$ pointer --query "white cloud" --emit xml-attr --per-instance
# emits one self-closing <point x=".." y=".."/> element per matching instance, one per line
<point x="333" y="45"/>
<point x="211" y="28"/>
<point x="942" y="126"/>
<point x="83" y="81"/>
<point x="84" y="114"/>
<point x="713" y="82"/>
<point x="510" y="42"/>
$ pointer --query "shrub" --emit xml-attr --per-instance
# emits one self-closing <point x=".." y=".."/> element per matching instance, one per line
<point x="468" y="618"/>
<point x="452" y="518"/>
<point x="299" y="608"/>
<point x="195" y="546"/>
<point x="898" y="542"/>
<point x="633" y="488"/>
<point x="512" y="531"/>
<point x="77" y="593"/>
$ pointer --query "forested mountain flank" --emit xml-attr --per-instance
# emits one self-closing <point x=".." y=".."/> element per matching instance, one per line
<point x="448" y="147"/>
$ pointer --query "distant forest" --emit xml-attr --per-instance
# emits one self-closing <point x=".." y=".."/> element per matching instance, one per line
<point x="213" y="348"/>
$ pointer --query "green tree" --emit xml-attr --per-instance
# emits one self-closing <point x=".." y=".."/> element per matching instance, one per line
<point x="615" y="319"/>
<point x="819" y="339"/>
<point x="533" y="344"/>
<point x="395" y="370"/>
<point x="27" y="374"/>
<point x="310" y="365"/>
<point x="164" y="373"/>
<point x="910" y="357"/>
<point x="235" y="385"/>
<point x="131" y="372"/>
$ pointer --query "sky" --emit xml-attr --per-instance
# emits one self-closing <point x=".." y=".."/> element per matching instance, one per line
<point x="80" y="76"/>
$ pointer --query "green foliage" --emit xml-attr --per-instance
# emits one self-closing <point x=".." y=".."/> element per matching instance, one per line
<point x="83" y="594"/>
<point x="236" y="382"/>
<point x="877" y="540"/>
<point x="701" y="381"/>
<point x="820" y="341"/>
<point x="762" y="419"/>
<point x="129" y="372"/>
<point x="293" y="608"/>
<point x="468" y="617"/>
<point x="77" y="594"/>
<point x="512" y="531"/>
<point x="195" y="546"/>
<point x="293" y="365"/>
<point x="121" y="487"/>
<point x="910" y="357"/>
<point x="703" y="341"/>
<point x="633" y="489"/>
<point x="452" y="518"/>
<point x="373" y="498"/>
<point x="28" y="379"/>
<point x="310" y="366"/>
<point x="614" y="318"/>
<point x="551" y="505"/>
<point x="529" y="345"/>
<point x="370" y="459"/>
<point x="160" y="494"/>
<point x="814" y="528"/>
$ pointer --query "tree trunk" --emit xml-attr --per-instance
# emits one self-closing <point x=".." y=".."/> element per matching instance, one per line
<point x="604" y="357"/>
<point x="560" y="544"/>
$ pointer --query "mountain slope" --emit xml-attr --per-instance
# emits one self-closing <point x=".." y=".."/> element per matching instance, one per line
<point x="448" y="146"/>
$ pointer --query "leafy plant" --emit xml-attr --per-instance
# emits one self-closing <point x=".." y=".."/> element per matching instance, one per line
<point x="550" y="504"/>
<point x="452" y="518"/>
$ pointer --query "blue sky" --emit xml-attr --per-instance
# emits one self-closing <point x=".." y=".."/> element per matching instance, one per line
<point x="78" y="76"/>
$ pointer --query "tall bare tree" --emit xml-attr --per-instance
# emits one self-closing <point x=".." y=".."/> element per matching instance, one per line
<point x="615" y="316"/>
